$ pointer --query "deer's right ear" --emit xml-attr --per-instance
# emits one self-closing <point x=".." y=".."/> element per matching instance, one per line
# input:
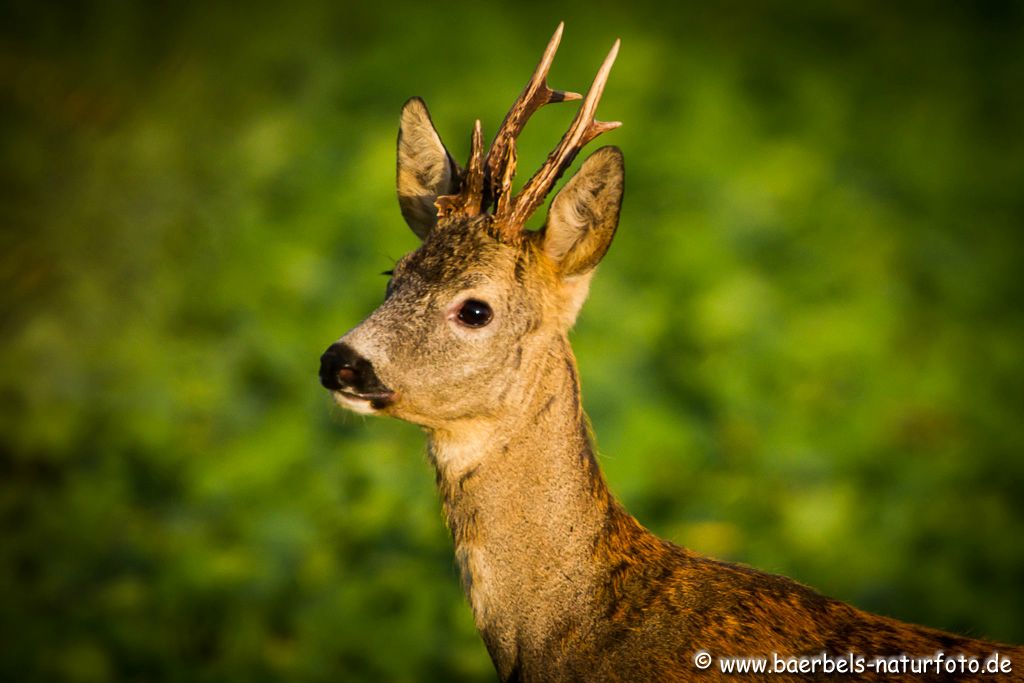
<point x="425" y="169"/>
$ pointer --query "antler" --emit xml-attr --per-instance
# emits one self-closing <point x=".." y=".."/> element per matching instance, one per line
<point x="489" y="180"/>
<point x="469" y="200"/>
<point x="501" y="157"/>
<point x="584" y="128"/>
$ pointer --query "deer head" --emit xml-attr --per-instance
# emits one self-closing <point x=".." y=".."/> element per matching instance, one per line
<point x="482" y="300"/>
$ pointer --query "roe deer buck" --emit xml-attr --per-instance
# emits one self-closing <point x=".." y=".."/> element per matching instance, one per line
<point x="471" y="343"/>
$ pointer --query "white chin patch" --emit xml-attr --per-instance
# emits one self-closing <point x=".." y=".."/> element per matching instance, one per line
<point x="356" y="405"/>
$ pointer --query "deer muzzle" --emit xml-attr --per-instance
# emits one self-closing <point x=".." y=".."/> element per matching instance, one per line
<point x="344" y="371"/>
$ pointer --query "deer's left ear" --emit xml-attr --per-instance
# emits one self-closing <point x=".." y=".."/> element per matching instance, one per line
<point x="585" y="214"/>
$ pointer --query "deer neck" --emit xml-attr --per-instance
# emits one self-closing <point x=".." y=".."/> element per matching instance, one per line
<point x="528" y="510"/>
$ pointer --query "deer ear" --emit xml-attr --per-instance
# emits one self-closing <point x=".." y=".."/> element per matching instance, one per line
<point x="585" y="213"/>
<point x="425" y="169"/>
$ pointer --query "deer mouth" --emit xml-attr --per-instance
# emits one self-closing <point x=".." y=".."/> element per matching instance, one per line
<point x="378" y="400"/>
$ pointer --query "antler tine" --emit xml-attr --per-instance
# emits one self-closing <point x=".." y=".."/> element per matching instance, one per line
<point x="469" y="200"/>
<point x="584" y="128"/>
<point x="534" y="96"/>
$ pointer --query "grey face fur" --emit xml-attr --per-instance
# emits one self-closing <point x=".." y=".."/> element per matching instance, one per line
<point x="441" y="370"/>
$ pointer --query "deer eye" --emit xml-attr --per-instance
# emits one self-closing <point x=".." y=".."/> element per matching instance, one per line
<point x="475" y="313"/>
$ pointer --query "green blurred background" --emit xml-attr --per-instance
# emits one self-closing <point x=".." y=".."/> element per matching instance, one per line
<point x="805" y="350"/>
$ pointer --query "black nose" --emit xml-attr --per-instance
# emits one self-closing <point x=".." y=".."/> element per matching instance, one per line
<point x="338" y="366"/>
<point x="341" y="368"/>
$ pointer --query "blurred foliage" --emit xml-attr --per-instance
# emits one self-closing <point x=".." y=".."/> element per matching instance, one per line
<point x="804" y="351"/>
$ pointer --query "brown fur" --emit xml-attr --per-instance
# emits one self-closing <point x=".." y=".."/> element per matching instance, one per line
<point x="586" y="593"/>
<point x="564" y="584"/>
